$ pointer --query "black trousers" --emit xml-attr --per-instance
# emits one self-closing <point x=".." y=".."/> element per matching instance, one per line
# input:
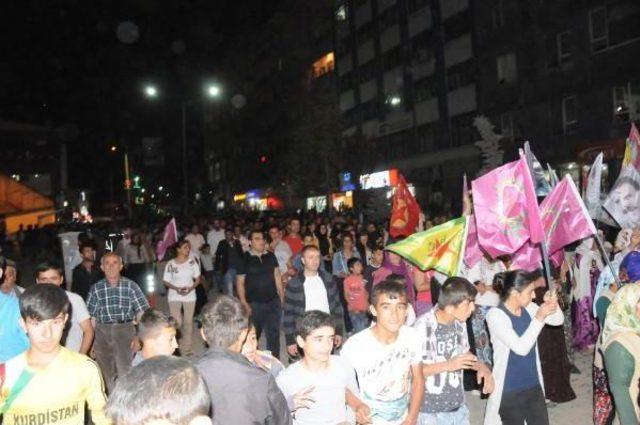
<point x="520" y="406"/>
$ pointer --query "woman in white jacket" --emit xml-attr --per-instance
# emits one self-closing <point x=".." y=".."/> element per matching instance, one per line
<point x="514" y="327"/>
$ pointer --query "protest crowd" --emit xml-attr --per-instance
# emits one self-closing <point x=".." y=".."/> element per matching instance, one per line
<point x="382" y="323"/>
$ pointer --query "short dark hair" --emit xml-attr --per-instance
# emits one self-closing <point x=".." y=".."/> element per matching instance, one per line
<point x="389" y="288"/>
<point x="86" y="244"/>
<point x="308" y="248"/>
<point x="377" y="247"/>
<point x="43" y="302"/>
<point x="312" y="320"/>
<point x="254" y="231"/>
<point x="456" y="290"/>
<point x="352" y="262"/>
<point x="223" y="320"/>
<point x="153" y="321"/>
<point x="49" y="265"/>
<point x="162" y="387"/>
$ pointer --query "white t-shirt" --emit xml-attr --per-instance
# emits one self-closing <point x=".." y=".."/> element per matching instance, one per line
<point x="207" y="262"/>
<point x="488" y="299"/>
<point x="329" y="391"/>
<point x="315" y="295"/>
<point x="181" y="276"/>
<point x="283" y="253"/>
<point x="384" y="372"/>
<point x="79" y="314"/>
<point x="214" y="237"/>
<point x="196" y="241"/>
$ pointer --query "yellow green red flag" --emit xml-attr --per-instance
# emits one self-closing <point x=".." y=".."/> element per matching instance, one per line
<point x="440" y="248"/>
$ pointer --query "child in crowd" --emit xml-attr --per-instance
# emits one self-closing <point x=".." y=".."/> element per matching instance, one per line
<point x="387" y="360"/>
<point x="262" y="359"/>
<point x="356" y="294"/>
<point x="49" y="383"/>
<point x="206" y="259"/>
<point x="157" y="332"/>
<point x="318" y="386"/>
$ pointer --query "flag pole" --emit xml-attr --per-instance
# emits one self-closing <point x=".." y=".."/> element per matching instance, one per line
<point x="545" y="261"/>
<point x="606" y="259"/>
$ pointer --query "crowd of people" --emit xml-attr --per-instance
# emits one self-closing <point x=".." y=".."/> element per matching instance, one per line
<point x="369" y="337"/>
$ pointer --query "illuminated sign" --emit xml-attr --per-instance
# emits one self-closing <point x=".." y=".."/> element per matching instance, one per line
<point x="239" y="197"/>
<point x="379" y="180"/>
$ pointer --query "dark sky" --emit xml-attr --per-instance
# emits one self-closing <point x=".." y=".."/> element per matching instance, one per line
<point x="84" y="63"/>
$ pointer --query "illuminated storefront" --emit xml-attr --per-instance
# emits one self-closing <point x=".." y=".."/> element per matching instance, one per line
<point x="342" y="200"/>
<point x="318" y="203"/>
<point x="379" y="180"/>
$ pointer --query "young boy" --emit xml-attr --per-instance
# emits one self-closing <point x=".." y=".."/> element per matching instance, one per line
<point x="356" y="295"/>
<point x="316" y="386"/>
<point x="49" y="383"/>
<point x="157" y="332"/>
<point x="445" y="355"/>
<point x="375" y="262"/>
<point x="387" y="361"/>
<point x="161" y="391"/>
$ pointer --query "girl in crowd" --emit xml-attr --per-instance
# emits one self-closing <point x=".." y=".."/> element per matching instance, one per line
<point x="589" y="264"/>
<point x="621" y="349"/>
<point x="514" y="327"/>
<point x="324" y="243"/>
<point x="181" y="277"/>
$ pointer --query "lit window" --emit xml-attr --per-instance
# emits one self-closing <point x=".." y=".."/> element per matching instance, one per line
<point x="341" y="13"/>
<point x="323" y="66"/>
<point x="626" y="101"/>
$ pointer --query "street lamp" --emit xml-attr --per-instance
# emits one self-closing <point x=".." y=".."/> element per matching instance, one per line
<point x="151" y="91"/>
<point x="213" y="90"/>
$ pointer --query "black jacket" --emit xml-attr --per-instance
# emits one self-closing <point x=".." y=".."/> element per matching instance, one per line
<point x="241" y="393"/>
<point x="295" y="300"/>
<point x="227" y="255"/>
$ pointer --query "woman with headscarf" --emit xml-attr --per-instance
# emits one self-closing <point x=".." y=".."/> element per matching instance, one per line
<point x="621" y="351"/>
<point x="394" y="264"/>
<point x="589" y="264"/>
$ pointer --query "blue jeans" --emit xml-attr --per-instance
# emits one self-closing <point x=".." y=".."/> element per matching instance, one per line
<point x="457" y="417"/>
<point x="268" y="316"/>
<point x="359" y="321"/>
<point x="229" y="282"/>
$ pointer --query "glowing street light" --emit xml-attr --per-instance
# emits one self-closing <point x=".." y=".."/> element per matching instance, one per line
<point x="151" y="91"/>
<point x="160" y="188"/>
<point x="213" y="90"/>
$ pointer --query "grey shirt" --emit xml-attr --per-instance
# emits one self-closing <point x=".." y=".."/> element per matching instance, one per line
<point x="241" y="394"/>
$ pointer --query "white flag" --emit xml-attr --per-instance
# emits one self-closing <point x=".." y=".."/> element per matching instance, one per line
<point x="592" y="193"/>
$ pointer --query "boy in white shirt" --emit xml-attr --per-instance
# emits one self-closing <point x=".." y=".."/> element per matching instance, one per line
<point x="387" y="361"/>
<point x="318" y="387"/>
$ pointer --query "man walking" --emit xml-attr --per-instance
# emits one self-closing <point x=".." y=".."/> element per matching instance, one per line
<point x="86" y="273"/>
<point x="260" y="290"/>
<point x="114" y="303"/>
<point x="312" y="289"/>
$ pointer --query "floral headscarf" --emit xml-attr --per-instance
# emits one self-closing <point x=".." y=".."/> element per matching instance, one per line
<point x="622" y="313"/>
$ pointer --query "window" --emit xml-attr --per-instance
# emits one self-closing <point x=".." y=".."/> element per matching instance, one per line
<point x="424" y="89"/>
<point x="457" y="26"/>
<point x="389" y="17"/>
<point x="392" y="58"/>
<point x="569" y="114"/>
<point x="626" y="101"/>
<point x="598" y="28"/>
<point x="341" y="13"/>
<point x="370" y="109"/>
<point x="613" y="24"/>
<point x="461" y="76"/>
<point x="323" y="66"/>
<point x="461" y="132"/>
<point x="367" y="71"/>
<point x="420" y="48"/>
<point x="365" y="32"/>
<point x="393" y="102"/>
<point x="415" y="5"/>
<point x="426" y="139"/>
<point x="505" y="123"/>
<point x="497" y="15"/>
<point x="559" y="49"/>
<point x="346" y="82"/>
<point x="507" y="69"/>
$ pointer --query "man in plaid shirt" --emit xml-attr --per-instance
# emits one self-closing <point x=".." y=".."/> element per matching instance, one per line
<point x="115" y="303"/>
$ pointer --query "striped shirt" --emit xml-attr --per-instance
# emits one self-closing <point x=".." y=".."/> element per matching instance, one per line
<point x="116" y="304"/>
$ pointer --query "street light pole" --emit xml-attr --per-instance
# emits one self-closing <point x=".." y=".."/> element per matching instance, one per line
<point x="185" y="182"/>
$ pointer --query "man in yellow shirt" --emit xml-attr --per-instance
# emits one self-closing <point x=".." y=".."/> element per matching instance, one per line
<point x="49" y="384"/>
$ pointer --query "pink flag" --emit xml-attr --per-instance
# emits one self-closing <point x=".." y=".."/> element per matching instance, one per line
<point x="529" y="257"/>
<point x="472" y="252"/>
<point x="564" y="216"/>
<point x="169" y="238"/>
<point x="506" y="209"/>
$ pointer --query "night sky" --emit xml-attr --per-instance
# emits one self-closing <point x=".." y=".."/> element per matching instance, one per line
<point x="84" y="63"/>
